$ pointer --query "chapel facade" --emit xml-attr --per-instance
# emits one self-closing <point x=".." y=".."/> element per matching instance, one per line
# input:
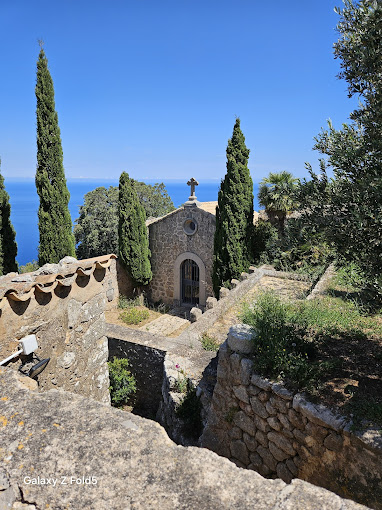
<point x="182" y="245"/>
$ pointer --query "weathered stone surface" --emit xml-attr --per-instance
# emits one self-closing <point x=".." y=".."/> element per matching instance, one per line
<point x="270" y="409"/>
<point x="334" y="442"/>
<point x="250" y="442"/>
<point x="278" y="454"/>
<point x="260" y="382"/>
<point x="292" y="467"/>
<point x="253" y="390"/>
<point x="234" y="283"/>
<point x="243" y="276"/>
<point x="280" y="404"/>
<point x="274" y="423"/>
<point x="235" y="433"/>
<point x="211" y="302"/>
<point x="300" y="436"/>
<point x="235" y="360"/>
<point x="240" y="338"/>
<point x="284" y="473"/>
<point x="245" y="423"/>
<point x="267" y="457"/>
<point x="282" y="392"/>
<point x="195" y="314"/>
<point x="246" y="367"/>
<point x="255" y="458"/>
<point x="296" y="419"/>
<point x="223" y="292"/>
<point x="241" y="393"/>
<point x="261" y="437"/>
<point x="318" y="414"/>
<point x="284" y="421"/>
<point x="281" y="442"/>
<point x="261" y="424"/>
<point x="316" y="431"/>
<point x="258" y="408"/>
<point x="263" y="396"/>
<point x="66" y="360"/>
<point x="239" y="451"/>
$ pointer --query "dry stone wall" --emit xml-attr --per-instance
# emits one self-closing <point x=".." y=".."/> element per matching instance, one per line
<point x="262" y="426"/>
<point x="168" y="240"/>
<point x="63" y="305"/>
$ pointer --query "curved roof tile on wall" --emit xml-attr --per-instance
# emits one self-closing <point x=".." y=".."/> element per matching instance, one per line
<point x="22" y="287"/>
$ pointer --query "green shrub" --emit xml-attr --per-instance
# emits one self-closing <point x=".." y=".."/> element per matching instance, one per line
<point x="122" y="382"/>
<point x="209" y="343"/>
<point x="125" y="302"/>
<point x="264" y="234"/>
<point x="350" y="276"/>
<point x="134" y="315"/>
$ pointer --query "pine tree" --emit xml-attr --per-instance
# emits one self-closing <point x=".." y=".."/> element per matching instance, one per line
<point x="132" y="233"/>
<point x="55" y="224"/>
<point x="8" y="246"/>
<point x="234" y="214"/>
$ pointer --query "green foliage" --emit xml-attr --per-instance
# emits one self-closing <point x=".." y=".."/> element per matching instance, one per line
<point x="350" y="276"/>
<point x="231" y="414"/>
<point x="29" y="267"/>
<point x="265" y="235"/>
<point x="96" y="231"/>
<point x="348" y="208"/>
<point x="209" y="343"/>
<point x="154" y="199"/>
<point x="134" y="315"/>
<point x="122" y="382"/>
<point x="125" y="302"/>
<point x="296" y="250"/>
<point x="189" y="410"/>
<point x="8" y="246"/>
<point x="276" y="194"/>
<point x="55" y="224"/>
<point x="133" y="240"/>
<point x="234" y="214"/>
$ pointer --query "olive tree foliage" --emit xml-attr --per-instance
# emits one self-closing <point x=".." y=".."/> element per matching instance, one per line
<point x="96" y="229"/>
<point x="348" y="207"/>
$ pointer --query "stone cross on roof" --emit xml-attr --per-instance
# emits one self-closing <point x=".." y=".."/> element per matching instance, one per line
<point x="192" y="182"/>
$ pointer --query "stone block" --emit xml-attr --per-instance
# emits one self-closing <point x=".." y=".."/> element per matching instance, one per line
<point x="284" y="473"/>
<point x="240" y="392"/>
<point x="211" y="302"/>
<point x="267" y="457"/>
<point x="253" y="390"/>
<point x="278" y="454"/>
<point x="282" y="392"/>
<point x="300" y="436"/>
<point x="334" y="442"/>
<point x="234" y="283"/>
<point x="245" y="423"/>
<point x="258" y="408"/>
<point x="316" y="431"/>
<point x="263" y="396"/>
<point x="239" y="451"/>
<point x="223" y="292"/>
<point x="250" y="442"/>
<point x="252" y="269"/>
<point x="318" y="414"/>
<point x="280" y="404"/>
<point x="261" y="424"/>
<point x="261" y="438"/>
<point x="240" y="338"/>
<point x="296" y="419"/>
<point x="270" y="409"/>
<point x="281" y="442"/>
<point x="284" y="421"/>
<point x="255" y="459"/>
<point x="66" y="360"/>
<point x="260" y="382"/>
<point x="246" y="367"/>
<point x="244" y="276"/>
<point x="292" y="467"/>
<point x="235" y="360"/>
<point x="274" y="423"/>
<point x="195" y="314"/>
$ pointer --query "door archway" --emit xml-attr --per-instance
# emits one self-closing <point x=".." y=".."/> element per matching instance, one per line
<point x="178" y="286"/>
<point x="189" y="278"/>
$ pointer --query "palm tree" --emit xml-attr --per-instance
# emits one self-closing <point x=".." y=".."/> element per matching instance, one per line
<point x="276" y="194"/>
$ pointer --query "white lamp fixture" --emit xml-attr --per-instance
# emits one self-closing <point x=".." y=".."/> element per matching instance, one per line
<point x="28" y="345"/>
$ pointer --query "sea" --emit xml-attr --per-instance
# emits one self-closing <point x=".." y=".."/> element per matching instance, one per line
<point x="25" y="202"/>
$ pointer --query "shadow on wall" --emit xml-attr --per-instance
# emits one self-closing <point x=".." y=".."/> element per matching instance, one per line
<point x="146" y="364"/>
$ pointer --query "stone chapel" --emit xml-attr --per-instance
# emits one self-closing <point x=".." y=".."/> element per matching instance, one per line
<point x="182" y="244"/>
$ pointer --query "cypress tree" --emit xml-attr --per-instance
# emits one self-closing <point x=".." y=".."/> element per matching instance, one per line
<point x="133" y="240"/>
<point x="55" y="224"/>
<point x="8" y="246"/>
<point x="234" y="214"/>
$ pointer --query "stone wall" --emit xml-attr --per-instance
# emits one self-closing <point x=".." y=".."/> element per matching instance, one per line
<point x="99" y="457"/>
<point x="168" y="240"/>
<point x="63" y="305"/>
<point x="261" y="426"/>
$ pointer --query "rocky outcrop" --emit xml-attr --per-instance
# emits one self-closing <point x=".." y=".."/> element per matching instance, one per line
<point x="60" y="450"/>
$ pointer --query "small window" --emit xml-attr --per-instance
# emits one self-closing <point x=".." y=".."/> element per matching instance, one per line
<point x="190" y="227"/>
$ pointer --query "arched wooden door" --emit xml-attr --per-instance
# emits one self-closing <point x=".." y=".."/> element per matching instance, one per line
<point x="189" y="272"/>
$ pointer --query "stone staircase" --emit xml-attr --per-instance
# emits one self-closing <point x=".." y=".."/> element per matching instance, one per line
<point x="165" y="325"/>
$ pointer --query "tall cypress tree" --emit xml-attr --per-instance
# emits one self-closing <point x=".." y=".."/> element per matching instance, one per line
<point x="55" y="224"/>
<point x="8" y="246"/>
<point x="234" y="214"/>
<point x="132" y="233"/>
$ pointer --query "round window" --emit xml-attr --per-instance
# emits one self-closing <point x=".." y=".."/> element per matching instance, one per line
<point x="190" y="227"/>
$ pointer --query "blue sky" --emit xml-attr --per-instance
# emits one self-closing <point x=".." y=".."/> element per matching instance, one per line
<point x="153" y="87"/>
